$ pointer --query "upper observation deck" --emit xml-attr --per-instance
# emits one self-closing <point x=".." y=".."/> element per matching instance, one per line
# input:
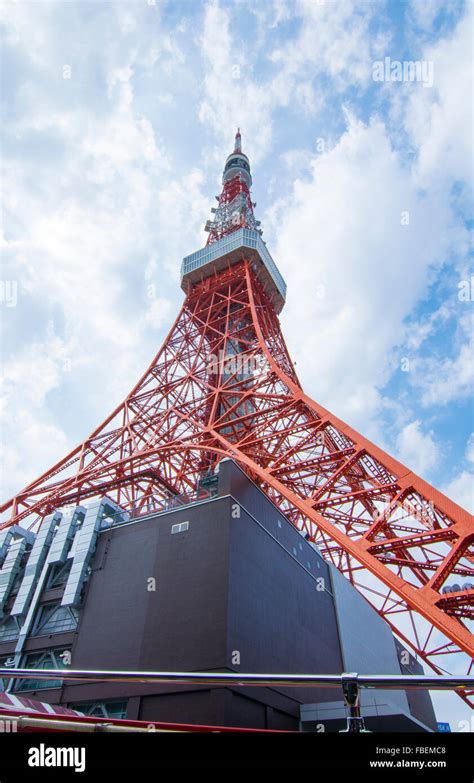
<point x="244" y="243"/>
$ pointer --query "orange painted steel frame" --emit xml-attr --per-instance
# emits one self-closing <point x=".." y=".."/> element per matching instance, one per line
<point x="394" y="536"/>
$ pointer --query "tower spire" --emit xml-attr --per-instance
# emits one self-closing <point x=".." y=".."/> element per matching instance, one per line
<point x="238" y="141"/>
<point x="235" y="205"/>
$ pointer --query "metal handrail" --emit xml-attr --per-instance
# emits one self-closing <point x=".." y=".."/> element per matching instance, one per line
<point x="386" y="681"/>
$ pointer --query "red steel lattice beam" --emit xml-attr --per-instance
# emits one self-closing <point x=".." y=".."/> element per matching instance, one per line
<point x="397" y="538"/>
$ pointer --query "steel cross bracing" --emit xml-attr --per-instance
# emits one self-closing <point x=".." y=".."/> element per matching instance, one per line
<point x="396" y="538"/>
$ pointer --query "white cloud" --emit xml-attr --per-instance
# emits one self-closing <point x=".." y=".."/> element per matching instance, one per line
<point x="42" y="363"/>
<point x="424" y="12"/>
<point x="114" y="200"/>
<point x="356" y="272"/>
<point x="333" y="39"/>
<point x="439" y="119"/>
<point x="470" y="448"/>
<point x="417" y="332"/>
<point x="461" y="489"/>
<point x="232" y="97"/>
<point x="180" y="209"/>
<point x="159" y="314"/>
<point x="81" y="225"/>
<point x="32" y="440"/>
<point x="440" y="380"/>
<point x="32" y="446"/>
<point x="417" y="449"/>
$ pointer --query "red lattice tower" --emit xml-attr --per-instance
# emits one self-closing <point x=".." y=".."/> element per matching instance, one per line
<point x="235" y="205"/>
<point x="223" y="385"/>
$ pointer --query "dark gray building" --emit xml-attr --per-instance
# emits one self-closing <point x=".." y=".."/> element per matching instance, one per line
<point x="222" y="583"/>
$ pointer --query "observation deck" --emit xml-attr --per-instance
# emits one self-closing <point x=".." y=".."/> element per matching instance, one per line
<point x="240" y="244"/>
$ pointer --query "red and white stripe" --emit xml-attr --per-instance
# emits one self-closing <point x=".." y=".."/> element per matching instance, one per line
<point x="10" y="702"/>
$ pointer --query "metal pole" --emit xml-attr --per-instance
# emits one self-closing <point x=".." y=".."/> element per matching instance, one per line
<point x="350" y="689"/>
<point x="386" y="681"/>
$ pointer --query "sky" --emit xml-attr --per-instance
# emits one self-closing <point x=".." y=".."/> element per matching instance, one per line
<point x="117" y="118"/>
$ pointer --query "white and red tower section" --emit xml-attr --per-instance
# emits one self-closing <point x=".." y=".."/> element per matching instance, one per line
<point x="235" y="205"/>
<point x="223" y="385"/>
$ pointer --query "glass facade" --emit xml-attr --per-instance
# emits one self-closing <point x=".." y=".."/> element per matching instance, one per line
<point x="54" y="618"/>
<point x="101" y="709"/>
<point x="43" y="659"/>
<point x="9" y="629"/>
<point x="58" y="574"/>
<point x="6" y="663"/>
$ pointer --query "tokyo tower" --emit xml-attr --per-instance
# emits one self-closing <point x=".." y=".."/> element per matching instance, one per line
<point x="224" y="386"/>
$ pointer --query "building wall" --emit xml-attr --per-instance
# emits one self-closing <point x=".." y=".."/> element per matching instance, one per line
<point x="279" y="621"/>
<point x="367" y="643"/>
<point x="227" y="584"/>
<point x="180" y="624"/>
<point x="239" y="590"/>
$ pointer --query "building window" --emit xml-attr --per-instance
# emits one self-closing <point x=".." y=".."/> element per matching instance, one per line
<point x="54" y="618"/>
<point x="58" y="574"/>
<point x="21" y="573"/>
<point x="101" y="709"/>
<point x="44" y="659"/>
<point x="6" y="663"/>
<point x="9" y="629"/>
<point x="181" y="527"/>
